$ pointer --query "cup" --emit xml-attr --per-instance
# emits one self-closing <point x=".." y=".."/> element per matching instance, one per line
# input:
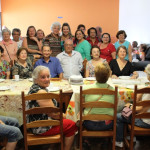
<point x="16" y="77"/>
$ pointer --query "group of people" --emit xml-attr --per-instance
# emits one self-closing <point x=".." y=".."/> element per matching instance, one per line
<point x="43" y="57"/>
<point x="63" y="55"/>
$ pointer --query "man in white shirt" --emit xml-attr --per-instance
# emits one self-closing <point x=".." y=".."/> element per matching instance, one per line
<point x="70" y="60"/>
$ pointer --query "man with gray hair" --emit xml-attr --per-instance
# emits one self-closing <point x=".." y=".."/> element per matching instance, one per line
<point x="16" y="33"/>
<point x="70" y="60"/>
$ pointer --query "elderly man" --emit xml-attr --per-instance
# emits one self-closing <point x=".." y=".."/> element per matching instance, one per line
<point x="51" y="62"/>
<point x="16" y="33"/>
<point x="71" y="61"/>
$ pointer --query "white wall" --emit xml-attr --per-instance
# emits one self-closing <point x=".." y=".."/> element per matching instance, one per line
<point x="134" y="18"/>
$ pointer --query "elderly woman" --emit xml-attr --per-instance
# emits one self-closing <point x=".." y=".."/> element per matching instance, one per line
<point x="41" y="79"/>
<point x="4" y="66"/>
<point x="92" y="36"/>
<point x="54" y="39"/>
<point x="32" y="44"/>
<point x="95" y="55"/>
<point x="9" y="46"/>
<point x="121" y="36"/>
<point x="66" y="34"/>
<point x="83" y="46"/>
<point x="22" y="67"/>
<point x="122" y="67"/>
<point x="9" y="128"/>
<point x="40" y="35"/>
<point x="107" y="49"/>
<point x="102" y="73"/>
<point x="143" y="123"/>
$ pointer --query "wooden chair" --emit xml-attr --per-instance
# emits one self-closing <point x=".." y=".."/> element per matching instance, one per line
<point x="134" y="130"/>
<point x="31" y="139"/>
<point x="84" y="66"/>
<point x="100" y="117"/>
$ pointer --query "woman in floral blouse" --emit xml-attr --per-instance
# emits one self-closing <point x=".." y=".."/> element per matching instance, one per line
<point x="4" y="66"/>
<point x="22" y="67"/>
<point x="95" y="55"/>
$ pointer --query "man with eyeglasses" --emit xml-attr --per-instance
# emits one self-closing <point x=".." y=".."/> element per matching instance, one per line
<point x="70" y="60"/>
<point x="51" y="62"/>
<point x="16" y="33"/>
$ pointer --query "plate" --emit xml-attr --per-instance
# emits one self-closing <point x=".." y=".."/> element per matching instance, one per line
<point x="124" y="77"/>
<point x="91" y="78"/>
<point x="4" y="88"/>
<point x="30" y="79"/>
<point x="17" y="80"/>
<point x="1" y="80"/>
<point x="53" y="89"/>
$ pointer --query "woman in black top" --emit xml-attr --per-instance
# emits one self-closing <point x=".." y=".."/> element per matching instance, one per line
<point x="122" y="67"/>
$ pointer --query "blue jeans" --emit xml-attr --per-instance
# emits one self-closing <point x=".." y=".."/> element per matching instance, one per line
<point x="120" y="126"/>
<point x="10" y="129"/>
<point x="97" y="125"/>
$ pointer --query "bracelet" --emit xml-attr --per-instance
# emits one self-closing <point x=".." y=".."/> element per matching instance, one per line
<point x="130" y="105"/>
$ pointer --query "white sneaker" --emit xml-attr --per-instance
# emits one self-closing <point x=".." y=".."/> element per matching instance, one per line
<point x="119" y="144"/>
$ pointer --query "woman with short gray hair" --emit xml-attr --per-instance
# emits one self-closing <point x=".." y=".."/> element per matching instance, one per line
<point x="54" y="39"/>
<point x="41" y="79"/>
<point x="9" y="46"/>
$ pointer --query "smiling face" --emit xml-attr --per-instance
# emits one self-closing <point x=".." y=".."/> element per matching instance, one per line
<point x="65" y="30"/>
<point x="105" y="38"/>
<point x="121" y="37"/>
<point x="31" y="32"/>
<point x="22" y="55"/>
<point x="6" y="36"/>
<point x="16" y="36"/>
<point x="95" y="53"/>
<point x="92" y="33"/>
<point x="46" y="51"/>
<point x="68" y="46"/>
<point x="122" y="53"/>
<point x="56" y="30"/>
<point x="79" y="35"/>
<point x="40" y="34"/>
<point x="43" y="79"/>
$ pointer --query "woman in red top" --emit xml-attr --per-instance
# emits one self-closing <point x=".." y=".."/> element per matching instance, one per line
<point x="107" y="49"/>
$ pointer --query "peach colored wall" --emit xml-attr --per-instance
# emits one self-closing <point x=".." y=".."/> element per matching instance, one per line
<point x="42" y="13"/>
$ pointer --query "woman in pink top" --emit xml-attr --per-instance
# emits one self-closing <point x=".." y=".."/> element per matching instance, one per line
<point x="107" y="49"/>
<point x="9" y="46"/>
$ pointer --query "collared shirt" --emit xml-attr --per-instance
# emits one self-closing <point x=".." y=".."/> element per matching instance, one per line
<point x="53" y="65"/>
<point x="71" y="65"/>
<point x="10" y="50"/>
<point x="90" y="41"/>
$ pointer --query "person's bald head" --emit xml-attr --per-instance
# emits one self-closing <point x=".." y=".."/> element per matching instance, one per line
<point x="68" y="46"/>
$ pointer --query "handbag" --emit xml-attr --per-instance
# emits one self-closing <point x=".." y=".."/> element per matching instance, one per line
<point x="126" y="112"/>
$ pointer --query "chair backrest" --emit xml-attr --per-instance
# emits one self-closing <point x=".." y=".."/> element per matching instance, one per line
<point x="98" y="104"/>
<point x="84" y="66"/>
<point x="144" y="103"/>
<point x="42" y="110"/>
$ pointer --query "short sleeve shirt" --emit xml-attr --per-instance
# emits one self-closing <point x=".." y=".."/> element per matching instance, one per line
<point x="4" y="68"/>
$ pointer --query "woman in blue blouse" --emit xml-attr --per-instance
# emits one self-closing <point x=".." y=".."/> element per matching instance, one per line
<point x="121" y="36"/>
